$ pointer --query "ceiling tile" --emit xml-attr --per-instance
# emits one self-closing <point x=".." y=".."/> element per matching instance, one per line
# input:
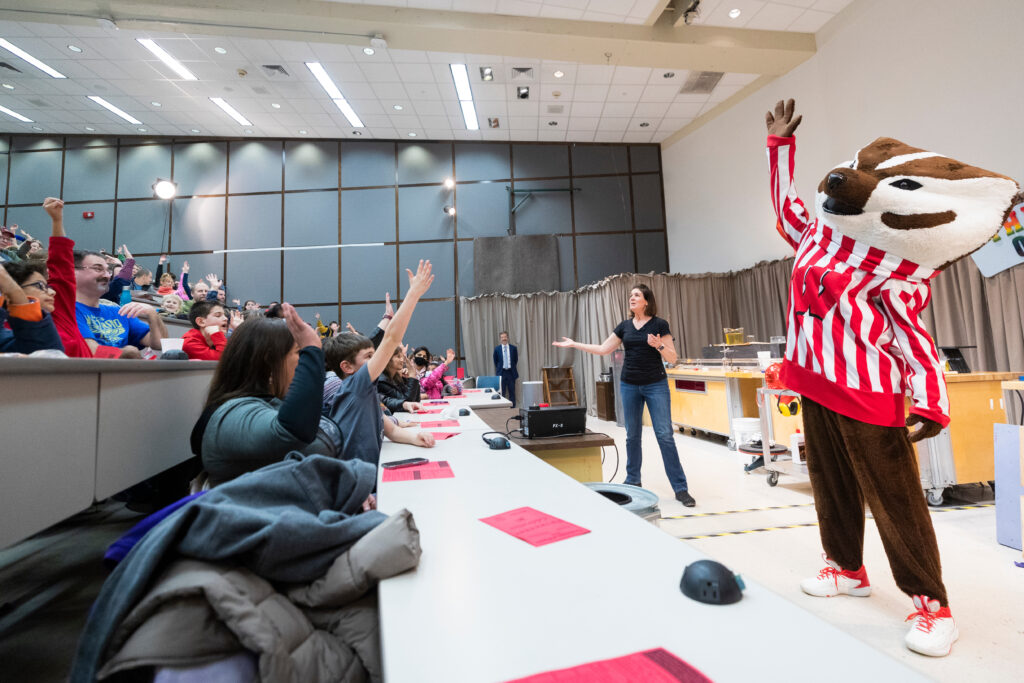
<point x="631" y="75"/>
<point x="594" y="74"/>
<point x="587" y="108"/>
<point x="584" y="123"/>
<point x="625" y="93"/>
<point x="590" y="93"/>
<point x="619" y="109"/>
<point x="775" y="17"/>
<point x="608" y="124"/>
<point x="659" y="93"/>
<point x="651" y="109"/>
<point x="380" y="73"/>
<point x="810" y="21"/>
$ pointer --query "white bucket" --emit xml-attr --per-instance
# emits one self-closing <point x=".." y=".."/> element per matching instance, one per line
<point x="744" y="429"/>
<point x="167" y="344"/>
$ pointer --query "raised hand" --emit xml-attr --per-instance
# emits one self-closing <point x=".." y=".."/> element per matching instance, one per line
<point x="184" y="267"/>
<point x="214" y="282"/>
<point x="388" y="308"/>
<point x="124" y="250"/>
<point x="236" y="302"/>
<point x="350" y="328"/>
<point x="54" y="208"/>
<point x="304" y="334"/>
<point x="163" y="259"/>
<point x="420" y="282"/>
<point x="449" y="356"/>
<point x="317" y="315"/>
<point x="236" y="320"/>
<point x="654" y="340"/>
<point x="565" y="343"/>
<point x="781" y="122"/>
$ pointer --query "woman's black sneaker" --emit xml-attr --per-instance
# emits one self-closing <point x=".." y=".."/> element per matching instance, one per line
<point x="685" y="498"/>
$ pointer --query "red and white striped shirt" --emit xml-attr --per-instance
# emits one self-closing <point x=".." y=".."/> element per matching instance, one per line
<point x="855" y="341"/>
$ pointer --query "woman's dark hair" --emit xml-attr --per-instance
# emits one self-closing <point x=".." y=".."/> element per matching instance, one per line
<point x="424" y="349"/>
<point x="252" y="361"/>
<point x="652" y="308"/>
<point x="20" y="272"/>
<point x="395" y="377"/>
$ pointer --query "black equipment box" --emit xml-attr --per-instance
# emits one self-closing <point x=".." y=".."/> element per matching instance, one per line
<point x="555" y="421"/>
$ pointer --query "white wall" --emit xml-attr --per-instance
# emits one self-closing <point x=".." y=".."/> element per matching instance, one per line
<point x="943" y="75"/>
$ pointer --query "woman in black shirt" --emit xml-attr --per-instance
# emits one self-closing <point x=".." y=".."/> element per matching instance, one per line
<point x="647" y="342"/>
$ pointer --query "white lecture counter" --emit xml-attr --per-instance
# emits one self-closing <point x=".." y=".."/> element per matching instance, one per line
<point x="78" y="430"/>
<point x="474" y="399"/>
<point x="483" y="606"/>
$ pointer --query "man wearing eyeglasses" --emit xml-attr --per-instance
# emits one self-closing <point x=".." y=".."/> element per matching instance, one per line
<point x="134" y="324"/>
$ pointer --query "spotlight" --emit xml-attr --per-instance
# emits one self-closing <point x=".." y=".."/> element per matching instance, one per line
<point x="450" y="210"/>
<point x="449" y="183"/>
<point x="486" y="73"/>
<point x="523" y="92"/>
<point x="734" y="13"/>
<point x="559" y="74"/>
<point x="165" y="189"/>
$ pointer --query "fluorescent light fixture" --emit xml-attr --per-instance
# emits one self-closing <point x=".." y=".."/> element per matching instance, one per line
<point x="36" y="128"/>
<point x="220" y="50"/>
<point x="317" y="69"/>
<point x="74" y="48"/>
<point x="398" y="107"/>
<point x="231" y="111"/>
<point x="90" y="128"/>
<point x="303" y="132"/>
<point x="349" y="112"/>
<point x="195" y="130"/>
<point x="8" y="86"/>
<point x="111" y="108"/>
<point x="48" y="70"/>
<point x="275" y="105"/>
<point x="16" y="115"/>
<point x="165" y="57"/>
<point x="412" y="135"/>
<point x="461" y="77"/>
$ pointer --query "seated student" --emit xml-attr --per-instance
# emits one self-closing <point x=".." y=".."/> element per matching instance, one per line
<point x="355" y="407"/>
<point x="104" y="322"/>
<point x="142" y="279"/>
<point x="26" y="305"/>
<point x="121" y="274"/>
<point x="199" y="291"/>
<point x="433" y="382"/>
<point x="264" y="399"/>
<point x="395" y="389"/>
<point x="208" y="336"/>
<point x="170" y="307"/>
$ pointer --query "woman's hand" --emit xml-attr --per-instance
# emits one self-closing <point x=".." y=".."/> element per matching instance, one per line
<point x="565" y="343"/>
<point x="304" y="334"/>
<point x="370" y="503"/>
<point x="184" y="267"/>
<point x="410" y="406"/>
<point x="449" y="356"/>
<point x="420" y="282"/>
<point x="388" y="308"/>
<point x="654" y="340"/>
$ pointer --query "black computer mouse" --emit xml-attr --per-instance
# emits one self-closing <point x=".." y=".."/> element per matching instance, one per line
<point x="495" y="397"/>
<point x="497" y="443"/>
<point x="463" y="412"/>
<point x="712" y="583"/>
<point x="487" y="390"/>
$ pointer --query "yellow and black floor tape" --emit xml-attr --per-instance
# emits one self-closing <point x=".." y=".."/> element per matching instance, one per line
<point x="733" y="512"/>
<point x="793" y="526"/>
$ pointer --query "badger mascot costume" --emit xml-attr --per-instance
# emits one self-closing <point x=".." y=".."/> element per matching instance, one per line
<point x="887" y="223"/>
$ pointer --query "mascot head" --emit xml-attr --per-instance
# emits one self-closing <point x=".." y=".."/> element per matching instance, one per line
<point x="918" y="205"/>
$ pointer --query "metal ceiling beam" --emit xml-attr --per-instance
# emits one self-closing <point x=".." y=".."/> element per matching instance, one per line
<point x="703" y="48"/>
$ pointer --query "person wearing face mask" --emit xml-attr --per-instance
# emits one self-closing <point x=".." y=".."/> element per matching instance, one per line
<point x="421" y="359"/>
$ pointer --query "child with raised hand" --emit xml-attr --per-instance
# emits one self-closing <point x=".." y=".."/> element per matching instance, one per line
<point x="354" y="405"/>
<point x="432" y="383"/>
<point x="208" y="336"/>
<point x="60" y="267"/>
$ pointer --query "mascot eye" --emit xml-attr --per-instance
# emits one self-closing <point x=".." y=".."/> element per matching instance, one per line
<point x="906" y="184"/>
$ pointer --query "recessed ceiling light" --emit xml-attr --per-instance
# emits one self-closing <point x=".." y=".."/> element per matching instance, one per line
<point x="368" y="51"/>
<point x="90" y="128"/>
<point x="195" y="130"/>
<point x="559" y="74"/>
<point x="165" y="57"/>
<point x="275" y="105"/>
<point x="143" y="130"/>
<point x="733" y="13"/>
<point x="248" y="132"/>
<point x="220" y="50"/>
<point x="669" y="74"/>
<point x="644" y="124"/>
<point x="111" y="108"/>
<point x="74" y="48"/>
<point x="552" y="123"/>
<point x="398" y="107"/>
<point x="486" y="73"/>
<point x="303" y="132"/>
<point x="9" y="112"/>
<point x="48" y="70"/>
<point x="8" y="86"/>
<point x="156" y="104"/>
<point x="412" y="135"/>
<point x="357" y="132"/>
<point x="36" y="128"/>
<point x="231" y="111"/>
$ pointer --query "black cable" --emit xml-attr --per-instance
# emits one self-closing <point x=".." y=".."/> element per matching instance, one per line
<point x="1020" y="399"/>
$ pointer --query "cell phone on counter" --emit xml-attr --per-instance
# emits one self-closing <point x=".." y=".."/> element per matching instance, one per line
<point x="399" y="464"/>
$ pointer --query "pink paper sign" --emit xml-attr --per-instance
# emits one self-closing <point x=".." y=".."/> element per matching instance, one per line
<point x="473" y="391"/>
<point x="434" y="424"/>
<point x="652" y="666"/>
<point x="427" y="411"/>
<point x="428" y="470"/>
<point x="533" y="526"/>
<point x="441" y="436"/>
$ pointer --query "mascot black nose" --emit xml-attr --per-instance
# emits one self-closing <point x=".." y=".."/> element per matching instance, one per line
<point x="834" y="180"/>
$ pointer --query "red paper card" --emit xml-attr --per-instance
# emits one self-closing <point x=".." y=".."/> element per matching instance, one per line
<point x="441" y="436"/>
<point x="652" y="666"/>
<point x="533" y="526"/>
<point x="424" y="411"/>
<point x="430" y="470"/>
<point x="434" y="424"/>
<point x="473" y="391"/>
<point x="106" y="352"/>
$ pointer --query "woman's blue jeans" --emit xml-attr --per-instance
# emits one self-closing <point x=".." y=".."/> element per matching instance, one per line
<point x="656" y="396"/>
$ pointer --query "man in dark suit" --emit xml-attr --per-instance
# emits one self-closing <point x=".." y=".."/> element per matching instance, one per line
<point x="506" y="357"/>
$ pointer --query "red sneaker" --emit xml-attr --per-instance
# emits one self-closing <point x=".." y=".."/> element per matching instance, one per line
<point x="933" y="631"/>
<point x="834" y="580"/>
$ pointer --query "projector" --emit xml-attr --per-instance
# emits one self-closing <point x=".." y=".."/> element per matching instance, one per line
<point x="559" y="421"/>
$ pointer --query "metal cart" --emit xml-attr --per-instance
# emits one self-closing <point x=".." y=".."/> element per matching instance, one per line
<point x="779" y="463"/>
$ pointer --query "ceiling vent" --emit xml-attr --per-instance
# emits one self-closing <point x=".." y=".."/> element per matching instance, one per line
<point x="5" y="65"/>
<point x="260" y="90"/>
<point x="38" y="102"/>
<point x="275" y="71"/>
<point x="556" y="108"/>
<point x="701" y="82"/>
<point x="522" y="73"/>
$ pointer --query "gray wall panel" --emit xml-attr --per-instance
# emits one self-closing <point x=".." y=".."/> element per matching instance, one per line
<point x="368" y="216"/>
<point x="5" y="162"/>
<point x="367" y="164"/>
<point x="599" y="256"/>
<point x="367" y="273"/>
<point x="311" y="276"/>
<point x="310" y="219"/>
<point x="75" y="142"/>
<point x="645" y="158"/>
<point x="648" y="203"/>
<point x="34" y="177"/>
<point x="602" y="204"/>
<point x="201" y="167"/>
<point x="143" y="225"/>
<point x="433" y="326"/>
<point x="88" y="233"/>
<point x="594" y="159"/>
<point x="651" y="253"/>
<point x="424" y="162"/>
<point x="421" y="214"/>
<point x="310" y="165"/>
<point x="255" y="275"/>
<point x="254" y="166"/>
<point x="489" y="161"/>
<point x="540" y="161"/>
<point x="30" y="142"/>
<point x="201" y="265"/>
<point x="482" y="209"/>
<point x="90" y="173"/>
<point x="327" y="314"/>
<point x="364" y="317"/>
<point x="441" y="256"/>
<point x="465" y="259"/>
<point x="544" y="213"/>
<point x="139" y="168"/>
<point x="566" y="268"/>
<point x="198" y="224"/>
<point x="254" y="222"/>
